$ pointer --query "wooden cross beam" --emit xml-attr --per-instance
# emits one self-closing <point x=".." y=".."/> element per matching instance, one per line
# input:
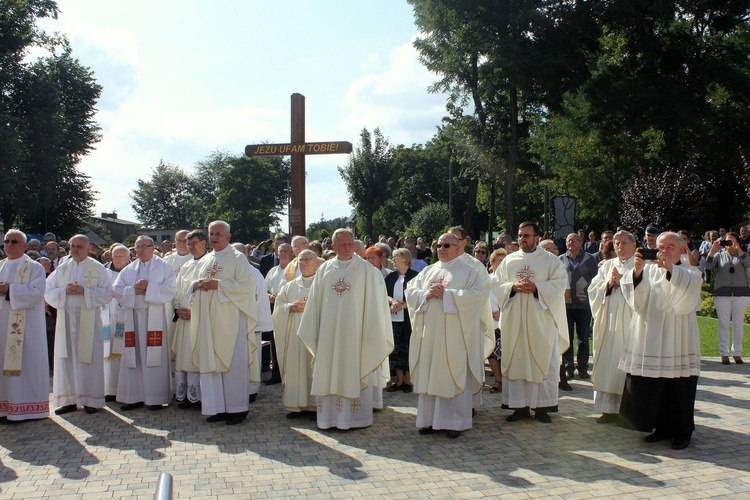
<point x="298" y="149"/>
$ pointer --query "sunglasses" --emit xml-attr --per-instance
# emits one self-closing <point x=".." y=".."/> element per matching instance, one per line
<point x="447" y="245"/>
<point x="480" y="251"/>
<point x="12" y="242"/>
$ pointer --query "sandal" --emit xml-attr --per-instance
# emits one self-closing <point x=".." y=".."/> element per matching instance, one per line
<point x="496" y="387"/>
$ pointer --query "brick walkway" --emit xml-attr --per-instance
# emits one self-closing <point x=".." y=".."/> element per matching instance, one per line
<point x="111" y="454"/>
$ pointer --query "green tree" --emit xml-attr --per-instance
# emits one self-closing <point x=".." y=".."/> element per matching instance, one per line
<point x="366" y="175"/>
<point x="252" y="193"/>
<point x="47" y="108"/>
<point x="429" y="221"/>
<point x="168" y="199"/>
<point x="323" y="227"/>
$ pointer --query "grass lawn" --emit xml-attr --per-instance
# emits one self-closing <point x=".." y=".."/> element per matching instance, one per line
<point x="709" y="328"/>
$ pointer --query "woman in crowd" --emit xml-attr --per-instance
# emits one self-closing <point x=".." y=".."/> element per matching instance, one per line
<point x="495" y="259"/>
<point x="731" y="293"/>
<point x="261" y="250"/>
<point x="482" y="254"/>
<point x="395" y="284"/>
<point x="690" y="255"/>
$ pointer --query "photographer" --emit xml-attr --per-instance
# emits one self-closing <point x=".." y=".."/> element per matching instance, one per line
<point x="731" y="292"/>
<point x="662" y="356"/>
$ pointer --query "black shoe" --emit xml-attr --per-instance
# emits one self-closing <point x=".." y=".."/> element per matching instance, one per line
<point x="725" y="360"/>
<point x="110" y="398"/>
<point x="156" y="407"/>
<point x="454" y="434"/>
<point x="131" y="406"/>
<point x="7" y="421"/>
<point x="273" y="381"/>
<point x="408" y="388"/>
<point x="543" y="417"/>
<point x="236" y="418"/>
<point x="655" y="437"/>
<point x="65" y="409"/>
<point x="216" y="418"/>
<point x="680" y="444"/>
<point x="607" y="418"/>
<point x="519" y="414"/>
<point x="188" y="405"/>
<point x="426" y="430"/>
<point x="90" y="410"/>
<point x="473" y="412"/>
<point x="395" y="388"/>
<point x="584" y="374"/>
<point x="294" y="415"/>
<point x="737" y="360"/>
<point x="570" y="375"/>
<point x="564" y="386"/>
<point x="252" y="398"/>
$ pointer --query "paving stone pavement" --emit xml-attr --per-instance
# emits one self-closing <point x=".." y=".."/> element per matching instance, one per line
<point x="120" y="455"/>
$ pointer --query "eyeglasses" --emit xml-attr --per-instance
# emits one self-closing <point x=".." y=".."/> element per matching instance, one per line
<point x="481" y="251"/>
<point x="12" y="242"/>
<point x="447" y="245"/>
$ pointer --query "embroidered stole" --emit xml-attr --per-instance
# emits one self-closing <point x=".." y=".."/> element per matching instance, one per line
<point x="87" y="322"/>
<point x="16" y="327"/>
<point x="154" y="333"/>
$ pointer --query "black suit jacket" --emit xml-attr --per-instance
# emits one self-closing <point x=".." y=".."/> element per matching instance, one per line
<point x="390" y="282"/>
<point x="267" y="262"/>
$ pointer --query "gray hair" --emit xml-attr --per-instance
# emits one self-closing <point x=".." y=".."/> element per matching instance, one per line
<point x="339" y="232"/>
<point x="225" y="225"/>
<point x="406" y="254"/>
<point x="627" y="234"/>
<point x="384" y="248"/>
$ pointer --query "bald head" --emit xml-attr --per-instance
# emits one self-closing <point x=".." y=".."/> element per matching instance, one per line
<point x="79" y="247"/>
<point x="308" y="263"/>
<point x="299" y="243"/>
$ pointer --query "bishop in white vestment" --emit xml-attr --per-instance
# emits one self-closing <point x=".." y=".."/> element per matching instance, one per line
<point x="24" y="384"/>
<point x="78" y="289"/>
<point x="446" y="360"/>
<point x="346" y="326"/>
<point x="113" y="325"/>
<point x="142" y="289"/>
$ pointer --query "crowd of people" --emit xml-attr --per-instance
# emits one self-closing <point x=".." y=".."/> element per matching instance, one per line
<point x="337" y="323"/>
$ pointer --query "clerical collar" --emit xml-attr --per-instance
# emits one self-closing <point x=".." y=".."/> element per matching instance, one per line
<point x="450" y="263"/>
<point x="19" y="258"/>
<point x="625" y="262"/>
<point x="224" y="250"/>
<point x="199" y="258"/>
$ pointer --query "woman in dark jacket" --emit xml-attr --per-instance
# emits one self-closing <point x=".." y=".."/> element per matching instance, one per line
<point x="395" y="284"/>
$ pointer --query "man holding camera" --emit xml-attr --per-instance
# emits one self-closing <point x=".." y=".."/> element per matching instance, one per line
<point x="662" y="356"/>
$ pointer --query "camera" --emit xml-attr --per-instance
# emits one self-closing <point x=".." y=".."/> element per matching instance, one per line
<point x="726" y="243"/>
<point x="648" y="253"/>
<point x="498" y="246"/>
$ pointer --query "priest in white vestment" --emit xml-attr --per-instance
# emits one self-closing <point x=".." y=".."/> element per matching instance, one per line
<point x="662" y="356"/>
<point x="612" y="323"/>
<point x="295" y="362"/>
<point x="530" y="288"/>
<point x="346" y="326"/>
<point x="113" y="325"/>
<point x="275" y="280"/>
<point x="24" y="385"/>
<point x="263" y="327"/>
<point x="446" y="361"/>
<point x="142" y="289"/>
<point x="186" y="371"/>
<point x="181" y="255"/>
<point x="223" y="317"/>
<point x="487" y="345"/>
<point x="78" y="289"/>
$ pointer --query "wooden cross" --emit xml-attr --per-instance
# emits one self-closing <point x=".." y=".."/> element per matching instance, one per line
<point x="298" y="149"/>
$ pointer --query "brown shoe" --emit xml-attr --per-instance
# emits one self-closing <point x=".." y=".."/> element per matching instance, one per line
<point x="725" y="360"/>
<point x="737" y="360"/>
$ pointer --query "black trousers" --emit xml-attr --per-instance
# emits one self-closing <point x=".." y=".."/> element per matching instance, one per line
<point x="666" y="405"/>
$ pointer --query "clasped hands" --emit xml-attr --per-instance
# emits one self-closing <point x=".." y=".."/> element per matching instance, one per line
<point x="524" y="285"/>
<point x="4" y="288"/>
<point x="436" y="291"/>
<point x="183" y="313"/>
<point x="206" y="284"/>
<point x="140" y="287"/>
<point x="74" y="289"/>
<point x="396" y="306"/>
<point x="614" y="279"/>
<point x="298" y="305"/>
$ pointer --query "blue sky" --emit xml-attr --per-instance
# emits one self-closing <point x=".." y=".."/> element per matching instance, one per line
<point x="185" y="78"/>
